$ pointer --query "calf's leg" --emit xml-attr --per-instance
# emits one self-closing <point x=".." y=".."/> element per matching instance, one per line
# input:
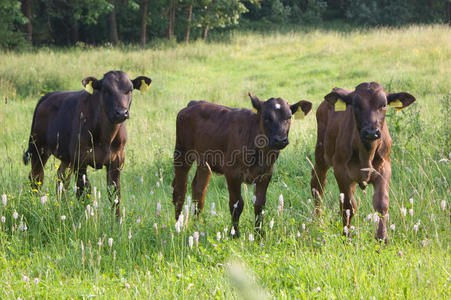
<point x="114" y="183"/>
<point x="236" y="202"/>
<point x="199" y="186"/>
<point x="319" y="172"/>
<point x="181" y="169"/>
<point x="62" y="176"/>
<point x="347" y="187"/>
<point x="82" y="182"/>
<point x="38" y="161"/>
<point x="381" y="201"/>
<point x="260" y="201"/>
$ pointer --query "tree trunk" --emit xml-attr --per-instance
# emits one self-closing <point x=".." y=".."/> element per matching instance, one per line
<point x="188" y="23"/>
<point x="204" y="35"/>
<point x="171" y="20"/>
<point x="113" y="25"/>
<point x="74" y="32"/>
<point x="144" y="5"/>
<point x="26" y="10"/>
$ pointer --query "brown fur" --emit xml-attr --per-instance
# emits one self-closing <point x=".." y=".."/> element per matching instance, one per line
<point x="233" y="142"/>
<point x="342" y="144"/>
<point x="78" y="128"/>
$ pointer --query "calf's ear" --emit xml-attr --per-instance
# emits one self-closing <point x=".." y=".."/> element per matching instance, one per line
<point x="256" y="103"/>
<point x="400" y="100"/>
<point x="301" y="109"/>
<point x="141" y="83"/>
<point x="91" y="84"/>
<point x="339" y="98"/>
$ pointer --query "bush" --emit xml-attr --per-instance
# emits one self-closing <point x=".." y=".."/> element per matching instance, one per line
<point x="10" y="18"/>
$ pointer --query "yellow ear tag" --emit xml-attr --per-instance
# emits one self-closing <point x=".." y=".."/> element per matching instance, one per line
<point x="299" y="115"/>
<point x="89" y="88"/>
<point x="340" y="105"/>
<point x="144" y="86"/>
<point x="397" y="104"/>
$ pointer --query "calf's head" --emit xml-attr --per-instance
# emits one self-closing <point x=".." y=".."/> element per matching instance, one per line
<point x="115" y="91"/>
<point x="369" y="104"/>
<point x="275" y="118"/>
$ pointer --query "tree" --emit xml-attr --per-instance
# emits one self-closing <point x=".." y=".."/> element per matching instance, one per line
<point x="143" y="5"/>
<point x="26" y="10"/>
<point x="171" y="19"/>
<point x="189" y="19"/>
<point x="113" y="24"/>
<point x="219" y="13"/>
<point x="10" y="17"/>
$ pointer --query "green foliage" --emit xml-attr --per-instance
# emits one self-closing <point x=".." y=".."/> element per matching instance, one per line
<point x="291" y="261"/>
<point x="395" y="12"/>
<point x="218" y="13"/>
<point x="10" y="19"/>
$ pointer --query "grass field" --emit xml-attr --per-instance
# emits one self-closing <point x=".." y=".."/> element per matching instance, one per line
<point x="42" y="255"/>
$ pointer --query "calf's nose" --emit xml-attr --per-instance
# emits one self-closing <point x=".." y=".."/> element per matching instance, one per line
<point x="372" y="134"/>
<point x="281" y="142"/>
<point x="122" y="113"/>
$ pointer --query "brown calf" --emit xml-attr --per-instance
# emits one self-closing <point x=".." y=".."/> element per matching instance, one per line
<point x="353" y="138"/>
<point x="84" y="128"/>
<point x="238" y="143"/>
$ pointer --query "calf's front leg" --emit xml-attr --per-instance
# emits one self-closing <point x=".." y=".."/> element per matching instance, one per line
<point x="236" y="202"/>
<point x="82" y="182"/>
<point x="381" y="201"/>
<point x="349" y="205"/>
<point x="114" y="183"/>
<point x="260" y="201"/>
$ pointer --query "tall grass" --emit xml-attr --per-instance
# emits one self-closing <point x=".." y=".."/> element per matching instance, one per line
<point x="299" y="257"/>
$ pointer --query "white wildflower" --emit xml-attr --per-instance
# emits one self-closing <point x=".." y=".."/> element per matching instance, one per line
<point x="196" y="238"/>
<point x="110" y="242"/>
<point x="443" y="205"/>
<point x="15" y="215"/>
<point x="393" y="227"/>
<point x="271" y="224"/>
<point x="63" y="217"/>
<point x="403" y="211"/>
<point x="254" y="198"/>
<point x="303" y="226"/>
<point x="36" y="280"/>
<point x="342" y="198"/>
<point x="3" y="219"/>
<point x="376" y="217"/>
<point x="213" y="211"/>
<point x="4" y="199"/>
<point x="232" y="231"/>
<point x="218" y="236"/>
<point x="280" y="202"/>
<point x="415" y="227"/>
<point x="346" y="230"/>
<point x="411" y="212"/>
<point x="158" y="207"/>
<point x="190" y="242"/>
<point x="138" y="220"/>
<point x="251" y="237"/>
<point x="130" y="233"/>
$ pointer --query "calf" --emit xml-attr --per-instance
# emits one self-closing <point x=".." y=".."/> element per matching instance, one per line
<point x="353" y="138"/>
<point x="241" y="144"/>
<point x="84" y="128"/>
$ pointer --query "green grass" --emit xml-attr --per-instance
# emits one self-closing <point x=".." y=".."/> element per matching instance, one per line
<point x="290" y="262"/>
